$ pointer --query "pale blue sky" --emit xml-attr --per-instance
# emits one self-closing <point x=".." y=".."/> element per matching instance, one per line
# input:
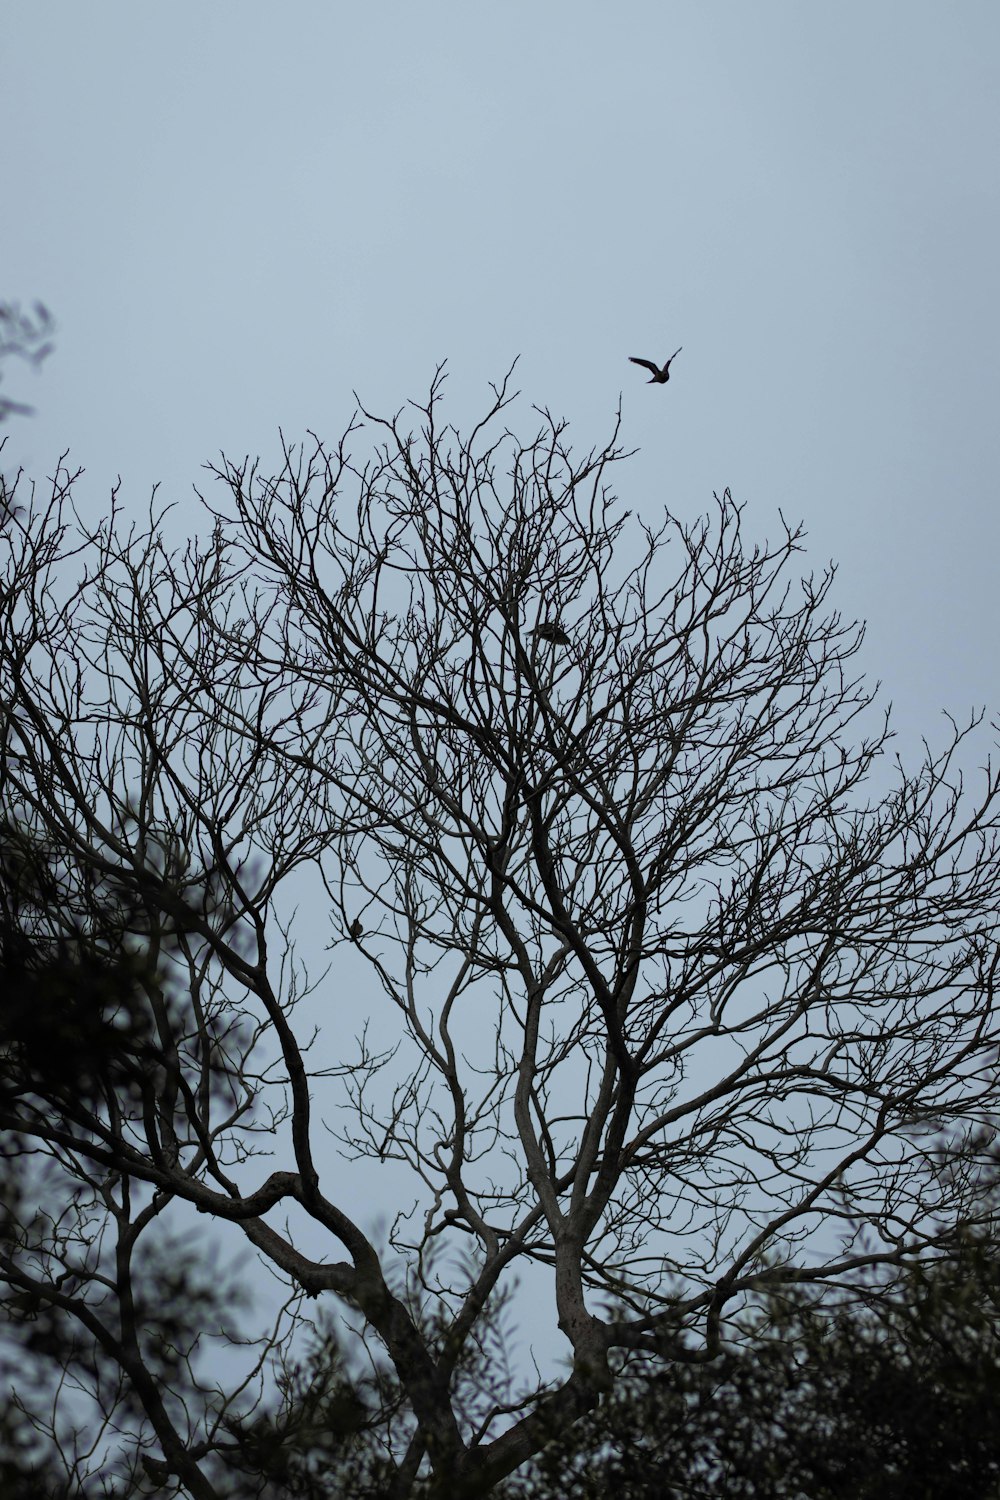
<point x="238" y="213"/>
<point x="241" y="212"/>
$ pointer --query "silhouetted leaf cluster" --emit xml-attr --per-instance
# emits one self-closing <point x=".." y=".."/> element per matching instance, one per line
<point x="71" y="1016"/>
<point x="896" y="1400"/>
<point x="27" y="336"/>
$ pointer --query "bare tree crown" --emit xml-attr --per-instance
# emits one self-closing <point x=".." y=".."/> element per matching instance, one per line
<point x="688" y="976"/>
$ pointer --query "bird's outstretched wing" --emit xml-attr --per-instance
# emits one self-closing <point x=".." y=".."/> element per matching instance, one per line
<point x="647" y="364"/>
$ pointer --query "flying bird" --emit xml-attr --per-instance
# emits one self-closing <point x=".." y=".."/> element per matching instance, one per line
<point x="658" y="377"/>
<point x="550" y="630"/>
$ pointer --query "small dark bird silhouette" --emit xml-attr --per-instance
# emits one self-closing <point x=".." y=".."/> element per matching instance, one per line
<point x="658" y="377"/>
<point x="550" y="630"/>
<point x="357" y="929"/>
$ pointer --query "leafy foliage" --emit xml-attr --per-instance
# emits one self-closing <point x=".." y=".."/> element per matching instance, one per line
<point x="890" y="1398"/>
<point x="26" y="336"/>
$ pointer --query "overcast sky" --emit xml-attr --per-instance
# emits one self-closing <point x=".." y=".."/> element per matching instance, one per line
<point x="240" y="213"/>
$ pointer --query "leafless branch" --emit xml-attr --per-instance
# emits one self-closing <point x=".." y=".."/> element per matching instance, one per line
<point x="689" y="977"/>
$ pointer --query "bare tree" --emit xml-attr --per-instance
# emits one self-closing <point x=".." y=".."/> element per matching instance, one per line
<point x="686" y="974"/>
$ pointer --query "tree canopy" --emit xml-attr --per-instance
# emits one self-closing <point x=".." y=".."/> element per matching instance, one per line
<point x="880" y="1396"/>
<point x="651" y="967"/>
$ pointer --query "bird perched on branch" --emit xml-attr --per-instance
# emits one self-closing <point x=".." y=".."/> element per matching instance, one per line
<point x="357" y="930"/>
<point x="551" y="630"/>
<point x="659" y="376"/>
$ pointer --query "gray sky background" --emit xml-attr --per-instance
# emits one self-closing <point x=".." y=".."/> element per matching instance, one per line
<point x="240" y="213"/>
